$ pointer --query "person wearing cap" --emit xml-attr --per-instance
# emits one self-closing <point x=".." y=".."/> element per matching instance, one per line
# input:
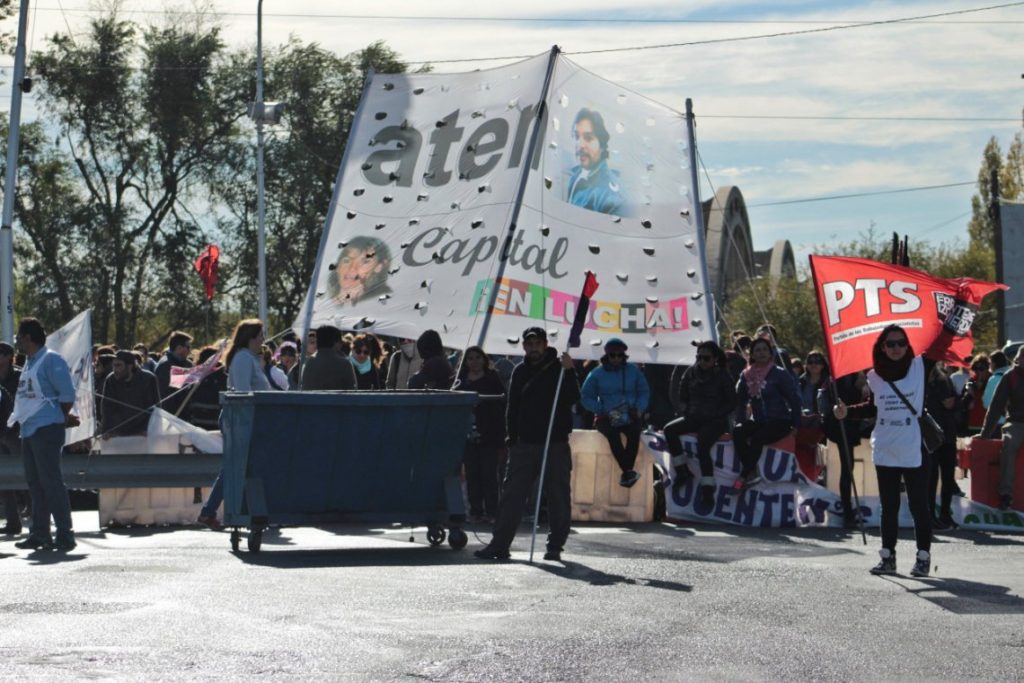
<point x="531" y="398"/>
<point x="129" y="394"/>
<point x="617" y="393"/>
<point x="1008" y="403"/>
<point x="9" y="376"/>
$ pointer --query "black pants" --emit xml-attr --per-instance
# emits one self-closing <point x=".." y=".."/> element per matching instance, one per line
<point x="521" y="474"/>
<point x="944" y="463"/>
<point x="708" y="430"/>
<point x="624" y="455"/>
<point x="481" y="463"/>
<point x="916" y="481"/>
<point x="846" y="475"/>
<point x="750" y="437"/>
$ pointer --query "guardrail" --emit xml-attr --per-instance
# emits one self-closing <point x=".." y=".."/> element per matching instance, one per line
<point x="123" y="471"/>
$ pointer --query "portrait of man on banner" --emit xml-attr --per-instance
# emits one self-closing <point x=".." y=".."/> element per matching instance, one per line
<point x="360" y="271"/>
<point x="592" y="184"/>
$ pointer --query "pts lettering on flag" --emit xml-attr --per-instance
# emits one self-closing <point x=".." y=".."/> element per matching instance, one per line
<point x="858" y="298"/>
<point x="870" y="297"/>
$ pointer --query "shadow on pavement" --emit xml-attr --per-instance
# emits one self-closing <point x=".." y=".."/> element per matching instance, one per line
<point x="961" y="596"/>
<point x="416" y="555"/>
<point x="595" y="577"/>
<point x="679" y="542"/>
<point x="48" y="557"/>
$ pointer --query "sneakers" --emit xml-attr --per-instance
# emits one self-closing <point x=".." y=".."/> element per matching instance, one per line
<point x="489" y="553"/>
<point x="629" y="477"/>
<point x="923" y="564"/>
<point x="62" y="544"/>
<point x="10" y="530"/>
<point x="33" y="543"/>
<point x="210" y="522"/>
<point x="1005" y="501"/>
<point x="944" y="523"/>
<point x="553" y="555"/>
<point x="888" y="563"/>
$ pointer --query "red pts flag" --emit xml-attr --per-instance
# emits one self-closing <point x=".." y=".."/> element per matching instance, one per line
<point x="858" y="297"/>
<point x="206" y="266"/>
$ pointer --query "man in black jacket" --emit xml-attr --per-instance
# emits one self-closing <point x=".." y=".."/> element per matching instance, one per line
<point x="9" y="441"/>
<point x="1008" y="402"/>
<point x="129" y="394"/>
<point x="531" y="396"/>
<point x="178" y="348"/>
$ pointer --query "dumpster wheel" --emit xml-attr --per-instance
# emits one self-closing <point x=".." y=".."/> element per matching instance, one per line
<point x="255" y="540"/>
<point x="236" y="539"/>
<point x="435" y="535"/>
<point x="457" y="538"/>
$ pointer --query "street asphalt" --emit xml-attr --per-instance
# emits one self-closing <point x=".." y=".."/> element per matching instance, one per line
<point x="651" y="602"/>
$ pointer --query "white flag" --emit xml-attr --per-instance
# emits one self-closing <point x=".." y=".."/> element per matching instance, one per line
<point x="74" y="343"/>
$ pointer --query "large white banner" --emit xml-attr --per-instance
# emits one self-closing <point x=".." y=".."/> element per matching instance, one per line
<point x="74" y="343"/>
<point x="786" y="498"/>
<point x="426" y="196"/>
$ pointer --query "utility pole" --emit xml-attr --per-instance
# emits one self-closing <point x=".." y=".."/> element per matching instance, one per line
<point x="261" y="240"/>
<point x="997" y="237"/>
<point x="18" y="86"/>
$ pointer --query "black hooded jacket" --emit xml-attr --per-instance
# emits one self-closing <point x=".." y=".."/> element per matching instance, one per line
<point x="531" y="393"/>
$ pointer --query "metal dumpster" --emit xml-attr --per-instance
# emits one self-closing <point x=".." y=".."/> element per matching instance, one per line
<point x="303" y="458"/>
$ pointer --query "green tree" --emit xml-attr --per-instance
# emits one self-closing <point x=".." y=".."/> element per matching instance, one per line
<point x="789" y="304"/>
<point x="302" y="155"/>
<point x="143" y="141"/>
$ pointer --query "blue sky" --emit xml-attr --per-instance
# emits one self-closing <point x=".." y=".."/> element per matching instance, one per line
<point x="964" y="67"/>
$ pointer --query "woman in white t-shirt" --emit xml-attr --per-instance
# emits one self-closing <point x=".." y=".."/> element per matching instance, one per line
<point x="896" y="446"/>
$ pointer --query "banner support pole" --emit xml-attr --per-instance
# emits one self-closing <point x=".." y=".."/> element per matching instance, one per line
<point x="547" y="448"/>
<point x="307" y="315"/>
<point x="542" y="109"/>
<point x="698" y="221"/>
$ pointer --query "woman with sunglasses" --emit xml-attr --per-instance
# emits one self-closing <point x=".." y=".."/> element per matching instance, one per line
<point x="767" y="409"/>
<point x="365" y="362"/>
<point x="896" y="445"/>
<point x="707" y="395"/>
<point x="812" y="383"/>
<point x="617" y="393"/>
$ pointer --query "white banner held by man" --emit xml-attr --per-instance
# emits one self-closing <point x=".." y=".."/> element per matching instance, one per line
<point x="422" y="212"/>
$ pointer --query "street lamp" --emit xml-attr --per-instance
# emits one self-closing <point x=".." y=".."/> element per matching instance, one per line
<point x="262" y="112"/>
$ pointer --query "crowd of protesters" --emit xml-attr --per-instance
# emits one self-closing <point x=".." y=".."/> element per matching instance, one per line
<point x="749" y="388"/>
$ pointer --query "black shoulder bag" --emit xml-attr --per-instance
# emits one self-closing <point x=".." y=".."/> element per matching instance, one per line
<point x="932" y="435"/>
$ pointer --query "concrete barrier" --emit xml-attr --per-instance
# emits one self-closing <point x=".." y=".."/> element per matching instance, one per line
<point x="164" y="505"/>
<point x="596" y="494"/>
<point x="863" y="469"/>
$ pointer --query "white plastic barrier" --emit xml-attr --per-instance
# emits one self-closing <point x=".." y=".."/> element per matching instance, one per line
<point x="596" y="494"/>
<point x="150" y="506"/>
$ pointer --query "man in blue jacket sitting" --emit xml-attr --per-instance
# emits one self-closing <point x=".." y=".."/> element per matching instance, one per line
<point x="617" y="393"/>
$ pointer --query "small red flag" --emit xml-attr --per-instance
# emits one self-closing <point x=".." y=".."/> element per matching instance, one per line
<point x="206" y="266"/>
<point x="582" y="308"/>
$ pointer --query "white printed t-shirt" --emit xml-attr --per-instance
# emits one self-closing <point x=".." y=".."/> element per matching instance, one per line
<point x="896" y="438"/>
